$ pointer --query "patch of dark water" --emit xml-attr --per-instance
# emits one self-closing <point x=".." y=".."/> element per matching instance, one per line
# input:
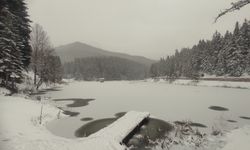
<point x="120" y="114"/>
<point x="218" y="108"/>
<point x="77" y="102"/>
<point x="44" y="91"/>
<point x="231" y="121"/>
<point x="93" y="127"/>
<point x="192" y="124"/>
<point x="151" y="130"/>
<point x="87" y="119"/>
<point x="54" y="89"/>
<point x="244" y="117"/>
<point x="140" y="148"/>
<point x="6" y="140"/>
<point x="38" y="93"/>
<point x="70" y="113"/>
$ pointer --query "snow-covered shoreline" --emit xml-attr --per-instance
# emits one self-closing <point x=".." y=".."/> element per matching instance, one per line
<point x="207" y="83"/>
<point x="20" y="128"/>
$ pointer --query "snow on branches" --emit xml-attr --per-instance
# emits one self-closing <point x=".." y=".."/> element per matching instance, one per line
<point x="235" y="6"/>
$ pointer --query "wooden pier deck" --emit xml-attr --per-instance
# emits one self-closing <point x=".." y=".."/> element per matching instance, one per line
<point x="112" y="136"/>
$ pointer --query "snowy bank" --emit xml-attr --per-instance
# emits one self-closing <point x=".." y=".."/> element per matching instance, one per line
<point x="209" y="83"/>
<point x="238" y="139"/>
<point x="20" y="128"/>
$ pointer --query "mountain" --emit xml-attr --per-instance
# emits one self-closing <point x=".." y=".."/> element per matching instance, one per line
<point x="74" y="50"/>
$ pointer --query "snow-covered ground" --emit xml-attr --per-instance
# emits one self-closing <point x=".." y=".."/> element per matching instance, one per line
<point x="21" y="130"/>
<point x="238" y="139"/>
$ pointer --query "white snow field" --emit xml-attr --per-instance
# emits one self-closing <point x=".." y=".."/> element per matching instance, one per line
<point x="20" y="129"/>
<point x="238" y="139"/>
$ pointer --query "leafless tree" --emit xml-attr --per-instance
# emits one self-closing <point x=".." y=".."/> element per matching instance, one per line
<point x="46" y="66"/>
<point x="41" y="50"/>
<point x="234" y="6"/>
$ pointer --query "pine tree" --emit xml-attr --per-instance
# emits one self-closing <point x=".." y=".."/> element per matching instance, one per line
<point x="248" y="63"/>
<point x="221" y="68"/>
<point x="19" y="9"/>
<point x="4" y="50"/>
<point x="245" y="44"/>
<point x="216" y="46"/>
<point x="10" y="64"/>
<point x="234" y="54"/>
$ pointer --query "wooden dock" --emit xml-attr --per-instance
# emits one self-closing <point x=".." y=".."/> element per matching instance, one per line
<point x="112" y="136"/>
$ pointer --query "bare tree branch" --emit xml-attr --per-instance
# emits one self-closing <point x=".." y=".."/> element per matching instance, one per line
<point x="235" y="6"/>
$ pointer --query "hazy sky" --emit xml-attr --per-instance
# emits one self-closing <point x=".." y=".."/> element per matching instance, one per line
<point x="151" y="28"/>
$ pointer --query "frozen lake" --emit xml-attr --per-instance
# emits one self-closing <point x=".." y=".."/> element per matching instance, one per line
<point x="164" y="101"/>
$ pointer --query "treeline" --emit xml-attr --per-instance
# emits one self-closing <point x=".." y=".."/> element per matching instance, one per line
<point x="109" y="68"/>
<point x="15" y="50"/>
<point x="227" y="54"/>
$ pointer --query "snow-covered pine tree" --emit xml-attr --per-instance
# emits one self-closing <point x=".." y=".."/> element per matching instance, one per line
<point x="207" y="53"/>
<point x="215" y="48"/>
<point x="4" y="52"/>
<point x="11" y="65"/>
<point x="200" y="57"/>
<point x="55" y="69"/>
<point x="22" y="22"/>
<point x="220" y="68"/>
<point x="235" y="54"/>
<point x="245" y="43"/>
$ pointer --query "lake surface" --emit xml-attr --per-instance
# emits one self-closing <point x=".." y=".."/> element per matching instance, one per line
<point x="207" y="107"/>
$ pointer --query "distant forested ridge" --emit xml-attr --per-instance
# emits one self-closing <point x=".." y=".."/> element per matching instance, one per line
<point x="15" y="50"/>
<point x="109" y="68"/>
<point x="224" y="55"/>
<point x="70" y="52"/>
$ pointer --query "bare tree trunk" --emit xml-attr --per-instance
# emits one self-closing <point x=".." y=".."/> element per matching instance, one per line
<point x="7" y="79"/>
<point x="41" y="114"/>
<point x="35" y="72"/>
<point x="39" y="84"/>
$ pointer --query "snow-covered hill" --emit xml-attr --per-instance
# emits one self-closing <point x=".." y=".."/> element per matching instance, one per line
<point x="74" y="50"/>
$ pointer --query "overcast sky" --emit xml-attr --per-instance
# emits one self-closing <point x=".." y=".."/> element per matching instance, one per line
<point x="151" y="28"/>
